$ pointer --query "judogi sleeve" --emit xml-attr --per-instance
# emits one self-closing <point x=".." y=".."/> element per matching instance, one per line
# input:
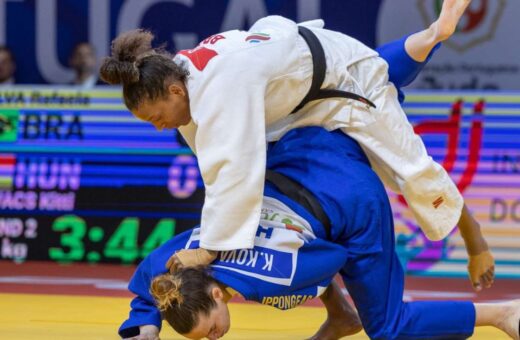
<point x="143" y="310"/>
<point x="230" y="144"/>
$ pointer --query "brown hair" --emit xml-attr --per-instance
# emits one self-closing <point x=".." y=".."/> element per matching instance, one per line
<point x="144" y="72"/>
<point x="182" y="296"/>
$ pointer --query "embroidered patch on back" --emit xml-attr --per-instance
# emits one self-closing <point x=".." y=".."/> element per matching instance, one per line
<point x="199" y="56"/>
<point x="257" y="37"/>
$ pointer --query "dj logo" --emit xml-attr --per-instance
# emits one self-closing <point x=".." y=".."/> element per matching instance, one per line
<point x="8" y="125"/>
<point x="478" y="24"/>
<point x="451" y="128"/>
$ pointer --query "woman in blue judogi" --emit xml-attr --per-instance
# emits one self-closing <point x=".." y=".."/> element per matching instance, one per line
<point x="294" y="260"/>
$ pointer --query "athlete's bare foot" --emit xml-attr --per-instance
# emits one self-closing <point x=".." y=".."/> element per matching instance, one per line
<point x="420" y="44"/>
<point x="509" y="322"/>
<point x="451" y="12"/>
<point x="336" y="328"/>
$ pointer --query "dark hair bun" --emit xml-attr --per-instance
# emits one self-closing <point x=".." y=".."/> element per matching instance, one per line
<point x="127" y="46"/>
<point x="116" y="72"/>
<point x="121" y="67"/>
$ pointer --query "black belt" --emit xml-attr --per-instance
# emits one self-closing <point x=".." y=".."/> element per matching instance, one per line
<point x="300" y="195"/>
<point x="319" y="66"/>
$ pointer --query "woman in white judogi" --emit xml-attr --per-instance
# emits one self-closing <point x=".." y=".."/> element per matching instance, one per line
<point x="236" y="91"/>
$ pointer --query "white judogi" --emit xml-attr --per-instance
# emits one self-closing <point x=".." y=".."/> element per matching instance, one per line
<point x="241" y="95"/>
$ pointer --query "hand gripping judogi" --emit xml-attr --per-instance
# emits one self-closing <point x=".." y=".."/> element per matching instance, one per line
<point x="244" y="87"/>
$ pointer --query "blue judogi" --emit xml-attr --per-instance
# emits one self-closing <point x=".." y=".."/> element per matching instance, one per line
<point x="335" y="170"/>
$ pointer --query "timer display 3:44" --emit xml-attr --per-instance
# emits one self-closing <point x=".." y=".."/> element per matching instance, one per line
<point x="77" y="239"/>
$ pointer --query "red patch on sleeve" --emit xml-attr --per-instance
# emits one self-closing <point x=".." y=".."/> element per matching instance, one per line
<point x="438" y="202"/>
<point x="199" y="56"/>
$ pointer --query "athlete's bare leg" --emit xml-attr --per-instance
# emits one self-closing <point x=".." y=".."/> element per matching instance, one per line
<point x="504" y="316"/>
<point x="342" y="318"/>
<point x="419" y="45"/>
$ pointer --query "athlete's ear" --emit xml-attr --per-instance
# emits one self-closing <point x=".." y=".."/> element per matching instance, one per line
<point x="217" y="293"/>
<point x="176" y="89"/>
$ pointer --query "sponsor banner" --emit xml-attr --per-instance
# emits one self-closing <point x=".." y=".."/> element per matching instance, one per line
<point x="482" y="54"/>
